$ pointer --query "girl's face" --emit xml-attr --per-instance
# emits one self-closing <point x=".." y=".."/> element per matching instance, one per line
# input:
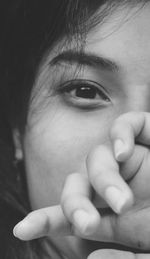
<point x="72" y="107"/>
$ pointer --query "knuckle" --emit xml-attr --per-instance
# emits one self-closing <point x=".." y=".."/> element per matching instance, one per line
<point x="90" y="229"/>
<point x="71" y="203"/>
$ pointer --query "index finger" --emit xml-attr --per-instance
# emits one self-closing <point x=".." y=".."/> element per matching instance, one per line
<point x="126" y="130"/>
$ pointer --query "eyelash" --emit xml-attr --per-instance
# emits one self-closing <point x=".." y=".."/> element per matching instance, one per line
<point x="84" y="85"/>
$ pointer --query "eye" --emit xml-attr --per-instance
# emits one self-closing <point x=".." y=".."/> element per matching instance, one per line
<point x="84" y="93"/>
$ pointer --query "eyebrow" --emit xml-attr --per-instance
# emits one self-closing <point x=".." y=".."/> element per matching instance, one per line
<point x="83" y="58"/>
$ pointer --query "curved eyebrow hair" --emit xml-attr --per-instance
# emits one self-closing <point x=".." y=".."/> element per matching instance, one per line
<point x="83" y="58"/>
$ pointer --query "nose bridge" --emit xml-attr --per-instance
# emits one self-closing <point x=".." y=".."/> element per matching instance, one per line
<point x="138" y="98"/>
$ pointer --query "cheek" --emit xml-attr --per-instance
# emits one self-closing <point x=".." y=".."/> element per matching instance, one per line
<point x="56" y="147"/>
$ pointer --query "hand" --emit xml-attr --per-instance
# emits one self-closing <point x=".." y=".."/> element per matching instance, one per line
<point x="130" y="227"/>
<point x="114" y="254"/>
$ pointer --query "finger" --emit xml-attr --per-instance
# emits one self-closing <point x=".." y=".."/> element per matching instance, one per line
<point x="77" y="205"/>
<point x="106" y="180"/>
<point x="136" y="171"/>
<point x="128" y="128"/>
<point x="114" y="254"/>
<point x="43" y="222"/>
<point x="131" y="229"/>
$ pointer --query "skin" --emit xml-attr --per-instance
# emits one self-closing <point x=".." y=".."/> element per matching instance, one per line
<point x="60" y="135"/>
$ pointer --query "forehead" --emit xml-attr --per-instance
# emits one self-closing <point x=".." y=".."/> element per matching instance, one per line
<point x="126" y="29"/>
<point x="123" y="37"/>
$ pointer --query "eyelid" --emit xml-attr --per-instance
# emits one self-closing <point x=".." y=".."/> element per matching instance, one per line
<point x="65" y="89"/>
<point x="75" y="82"/>
<point x="85" y="104"/>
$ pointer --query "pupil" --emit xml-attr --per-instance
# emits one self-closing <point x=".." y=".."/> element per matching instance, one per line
<point x="86" y="92"/>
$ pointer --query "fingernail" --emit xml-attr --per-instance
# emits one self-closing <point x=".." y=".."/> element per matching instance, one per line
<point x="115" y="199"/>
<point x="15" y="230"/>
<point x="21" y="228"/>
<point x="81" y="221"/>
<point x="119" y="148"/>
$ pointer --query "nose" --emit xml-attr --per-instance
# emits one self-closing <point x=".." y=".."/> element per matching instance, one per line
<point x="137" y="98"/>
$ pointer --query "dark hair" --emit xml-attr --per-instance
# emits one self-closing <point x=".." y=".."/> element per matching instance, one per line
<point x="30" y="28"/>
<point x="33" y="27"/>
